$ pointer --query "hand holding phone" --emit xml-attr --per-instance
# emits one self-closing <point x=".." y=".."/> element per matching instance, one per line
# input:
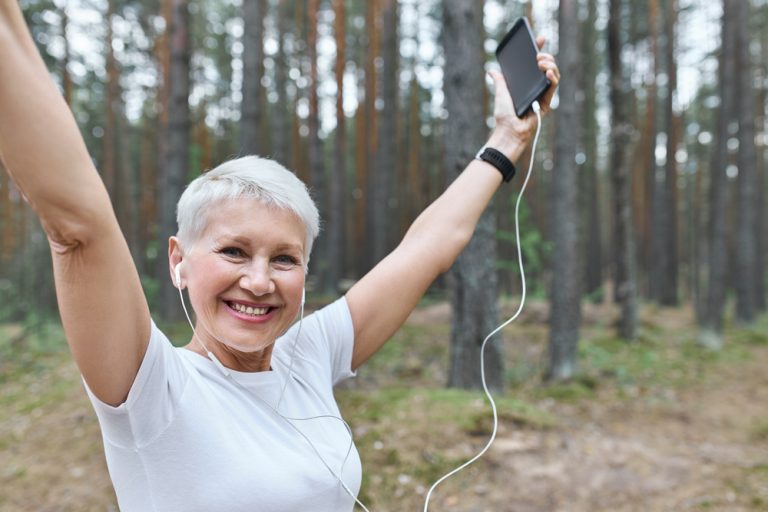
<point x="516" y="54"/>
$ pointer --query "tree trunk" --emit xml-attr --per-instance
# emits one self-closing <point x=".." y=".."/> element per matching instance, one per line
<point x="109" y="163"/>
<point x="316" y="166"/>
<point x="383" y="214"/>
<point x="654" y="207"/>
<point x="147" y="195"/>
<point x="565" y="297"/>
<point x="415" y="202"/>
<point x="282" y="132"/>
<point x="669" y="289"/>
<point x="299" y="158"/>
<point x="359" y="194"/>
<point x="762" y="159"/>
<point x="592" y="246"/>
<point x="173" y="169"/>
<point x="253" y="70"/>
<point x="66" y="78"/>
<point x="712" y="321"/>
<point x="7" y="221"/>
<point x="337" y="188"/>
<point x="624" y="277"/>
<point x="372" y="24"/>
<point x="746" y="231"/>
<point x="473" y="276"/>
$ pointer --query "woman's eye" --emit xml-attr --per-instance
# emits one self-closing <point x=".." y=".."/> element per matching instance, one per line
<point x="232" y="252"/>
<point x="286" y="260"/>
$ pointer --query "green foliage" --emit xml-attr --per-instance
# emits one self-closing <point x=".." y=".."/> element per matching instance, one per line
<point x="575" y="390"/>
<point x="151" y="290"/>
<point x="535" y="249"/>
<point x="760" y="433"/>
<point x="648" y="360"/>
<point x="29" y="347"/>
<point x="7" y="302"/>
<point x="755" y="334"/>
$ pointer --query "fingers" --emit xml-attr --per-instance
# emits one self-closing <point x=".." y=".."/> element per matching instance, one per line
<point x="540" y="41"/>
<point x="500" y="87"/>
<point x="549" y="67"/>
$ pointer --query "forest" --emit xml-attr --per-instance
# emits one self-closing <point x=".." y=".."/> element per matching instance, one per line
<point x="643" y="229"/>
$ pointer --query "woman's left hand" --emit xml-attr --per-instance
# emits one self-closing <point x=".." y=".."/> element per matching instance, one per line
<point x="510" y="128"/>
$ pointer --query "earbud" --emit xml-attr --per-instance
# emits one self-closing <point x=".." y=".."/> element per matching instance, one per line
<point x="177" y="274"/>
<point x="303" y="296"/>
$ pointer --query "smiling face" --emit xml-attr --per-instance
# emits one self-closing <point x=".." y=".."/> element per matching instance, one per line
<point x="245" y="276"/>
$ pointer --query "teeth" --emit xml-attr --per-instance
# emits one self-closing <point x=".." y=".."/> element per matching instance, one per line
<point x="248" y="310"/>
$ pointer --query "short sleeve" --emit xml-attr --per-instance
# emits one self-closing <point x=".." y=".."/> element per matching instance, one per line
<point x="325" y="340"/>
<point x="151" y="401"/>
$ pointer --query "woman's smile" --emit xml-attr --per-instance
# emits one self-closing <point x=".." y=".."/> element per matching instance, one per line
<point x="248" y="312"/>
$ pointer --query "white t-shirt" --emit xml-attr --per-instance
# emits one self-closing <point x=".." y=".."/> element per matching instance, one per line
<point x="190" y="439"/>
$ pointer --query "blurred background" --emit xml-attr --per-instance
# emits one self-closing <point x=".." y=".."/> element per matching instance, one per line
<point x="641" y="353"/>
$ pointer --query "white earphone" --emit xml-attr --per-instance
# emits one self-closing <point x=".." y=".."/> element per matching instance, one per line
<point x="177" y="274"/>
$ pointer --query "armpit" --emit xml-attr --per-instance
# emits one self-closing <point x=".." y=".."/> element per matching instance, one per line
<point x="62" y="247"/>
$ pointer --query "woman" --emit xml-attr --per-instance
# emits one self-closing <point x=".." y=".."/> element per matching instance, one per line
<point x="243" y="417"/>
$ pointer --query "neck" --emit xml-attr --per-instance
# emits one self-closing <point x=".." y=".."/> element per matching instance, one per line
<point x="258" y="361"/>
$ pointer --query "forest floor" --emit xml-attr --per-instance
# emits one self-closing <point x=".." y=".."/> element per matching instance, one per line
<point x="659" y="425"/>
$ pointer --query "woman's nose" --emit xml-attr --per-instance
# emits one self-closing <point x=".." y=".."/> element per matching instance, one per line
<point x="257" y="278"/>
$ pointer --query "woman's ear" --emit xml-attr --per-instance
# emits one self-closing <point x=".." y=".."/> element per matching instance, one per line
<point x="175" y="257"/>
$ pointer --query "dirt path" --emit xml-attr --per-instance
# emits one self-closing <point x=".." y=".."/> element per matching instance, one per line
<point x="705" y="448"/>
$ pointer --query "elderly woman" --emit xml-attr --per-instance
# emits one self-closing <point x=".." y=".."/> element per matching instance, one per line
<point x="243" y="417"/>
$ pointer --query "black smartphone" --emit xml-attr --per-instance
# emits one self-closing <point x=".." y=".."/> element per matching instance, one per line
<point x="516" y="54"/>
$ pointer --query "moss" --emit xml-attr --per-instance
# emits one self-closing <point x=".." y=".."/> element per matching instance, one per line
<point x="570" y="392"/>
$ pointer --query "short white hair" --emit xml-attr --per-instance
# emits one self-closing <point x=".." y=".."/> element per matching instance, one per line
<point x="246" y="177"/>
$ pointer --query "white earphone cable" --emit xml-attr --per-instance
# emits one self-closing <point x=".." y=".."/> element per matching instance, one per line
<point x="536" y="109"/>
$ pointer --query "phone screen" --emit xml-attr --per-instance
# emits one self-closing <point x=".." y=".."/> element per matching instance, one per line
<point x="517" y="56"/>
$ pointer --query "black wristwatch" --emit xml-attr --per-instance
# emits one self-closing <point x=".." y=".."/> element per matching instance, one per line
<point x="497" y="159"/>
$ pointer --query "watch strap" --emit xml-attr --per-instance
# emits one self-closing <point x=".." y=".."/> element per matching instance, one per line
<point x="499" y="160"/>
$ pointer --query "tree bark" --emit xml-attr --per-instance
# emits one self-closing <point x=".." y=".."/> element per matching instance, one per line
<point x="109" y="163"/>
<point x="592" y="246"/>
<point x="762" y="159"/>
<point x="565" y="297"/>
<point x="7" y="221"/>
<point x="66" y="78"/>
<point x="655" y="206"/>
<point x="415" y="202"/>
<point x="358" y="247"/>
<point x="253" y="70"/>
<point x="473" y="276"/>
<point x="621" y="128"/>
<point x="316" y="166"/>
<point x="373" y="28"/>
<point x="746" y="231"/>
<point x="281" y="122"/>
<point x="712" y="321"/>
<point x="338" y="175"/>
<point x="384" y="215"/>
<point x="173" y="169"/>
<point x="669" y="289"/>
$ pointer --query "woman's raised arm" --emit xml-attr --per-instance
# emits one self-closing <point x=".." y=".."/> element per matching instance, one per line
<point x="382" y="300"/>
<point x="102" y="306"/>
